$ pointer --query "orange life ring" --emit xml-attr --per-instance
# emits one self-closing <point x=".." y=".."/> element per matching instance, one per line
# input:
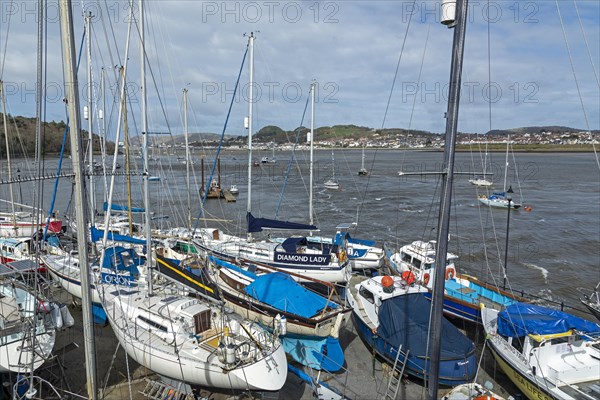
<point x="450" y="273"/>
<point x="426" y="278"/>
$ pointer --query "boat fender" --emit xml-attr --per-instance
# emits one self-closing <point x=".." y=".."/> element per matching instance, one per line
<point x="230" y="354"/>
<point x="56" y="317"/>
<point x="68" y="320"/>
<point x="426" y="278"/>
<point x="281" y="324"/>
<point x="450" y="273"/>
<point x="342" y="256"/>
<point x="408" y="277"/>
<point x="44" y="306"/>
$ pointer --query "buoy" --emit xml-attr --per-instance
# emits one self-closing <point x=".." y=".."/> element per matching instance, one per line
<point x="387" y="281"/>
<point x="408" y="277"/>
<point x="388" y="284"/>
<point x="528" y="208"/>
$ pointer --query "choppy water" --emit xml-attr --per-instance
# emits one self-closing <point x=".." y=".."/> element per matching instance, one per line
<point x="553" y="250"/>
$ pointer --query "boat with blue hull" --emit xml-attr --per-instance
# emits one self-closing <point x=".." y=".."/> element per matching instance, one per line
<point x="391" y="315"/>
<point x="463" y="294"/>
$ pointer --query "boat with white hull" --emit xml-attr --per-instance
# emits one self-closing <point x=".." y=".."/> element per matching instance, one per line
<point x="547" y="353"/>
<point x="193" y="340"/>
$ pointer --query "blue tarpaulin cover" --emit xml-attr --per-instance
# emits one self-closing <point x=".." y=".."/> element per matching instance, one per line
<point x="279" y="290"/>
<point x="257" y="224"/>
<point x="522" y="319"/>
<point x="404" y="320"/>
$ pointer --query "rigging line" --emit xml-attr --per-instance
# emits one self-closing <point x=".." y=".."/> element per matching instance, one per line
<point x="587" y="123"/>
<point x="221" y="141"/>
<point x="397" y="67"/>
<point x="152" y="75"/>
<point x="5" y="47"/>
<point x="587" y="46"/>
<point x="292" y="158"/>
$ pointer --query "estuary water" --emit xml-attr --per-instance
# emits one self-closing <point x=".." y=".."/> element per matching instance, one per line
<point x="552" y="250"/>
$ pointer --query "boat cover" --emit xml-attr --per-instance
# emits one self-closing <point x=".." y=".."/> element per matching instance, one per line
<point x="120" y="207"/>
<point x="404" y="321"/>
<point x="522" y="319"/>
<point x="121" y="259"/>
<point x="290" y="244"/>
<point x="233" y="267"/>
<point x="341" y="236"/>
<point x="281" y="291"/>
<point x="257" y="224"/>
<point x="97" y="234"/>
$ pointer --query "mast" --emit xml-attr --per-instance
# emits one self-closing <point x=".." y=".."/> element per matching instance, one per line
<point x="249" y="125"/>
<point x="312" y="140"/>
<point x="506" y="163"/>
<point x="8" y="160"/>
<point x="72" y="99"/>
<point x="145" y="148"/>
<point x="446" y="191"/>
<point x="87" y="114"/>
<point x="187" y="159"/>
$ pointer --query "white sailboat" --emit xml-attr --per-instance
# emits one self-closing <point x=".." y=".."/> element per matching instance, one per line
<point x="501" y="199"/>
<point x="193" y="340"/>
<point x="294" y="254"/>
<point x="28" y="322"/>
<point x="332" y="182"/>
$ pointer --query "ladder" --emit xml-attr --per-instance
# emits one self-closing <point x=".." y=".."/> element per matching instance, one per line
<point x="395" y="379"/>
<point x="161" y="391"/>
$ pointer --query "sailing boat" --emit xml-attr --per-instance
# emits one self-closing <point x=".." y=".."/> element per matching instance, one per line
<point x="195" y="340"/>
<point x="269" y="160"/>
<point x="294" y="254"/>
<point x="332" y="183"/>
<point x="501" y="199"/>
<point x="28" y="322"/>
<point x="363" y="171"/>
<point x="482" y="181"/>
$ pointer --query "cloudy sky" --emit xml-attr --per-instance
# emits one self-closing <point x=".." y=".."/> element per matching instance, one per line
<point x="351" y="49"/>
